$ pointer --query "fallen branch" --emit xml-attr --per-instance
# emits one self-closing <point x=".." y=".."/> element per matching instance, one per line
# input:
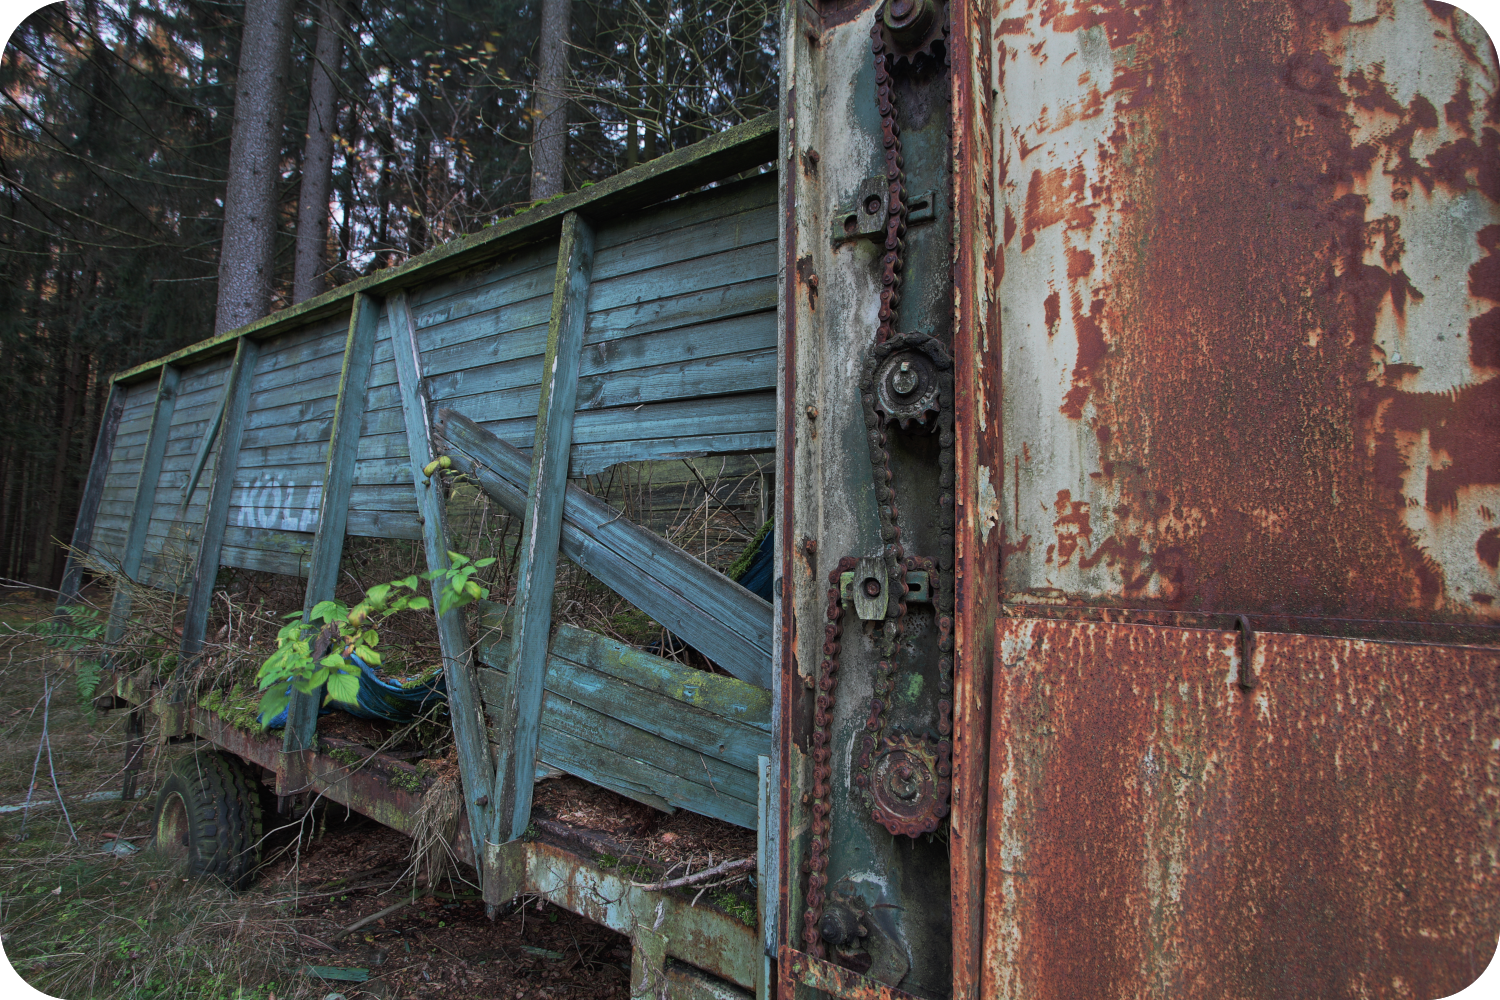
<point x="716" y="871"/>
<point x="372" y="918"/>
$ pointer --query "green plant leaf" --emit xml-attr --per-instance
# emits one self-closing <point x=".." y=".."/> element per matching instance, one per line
<point x="370" y="638"/>
<point x="376" y="595"/>
<point x="334" y="661"/>
<point x="271" y="704"/>
<point x="486" y="561"/>
<point x="368" y="655"/>
<point x="329" y="611"/>
<point x="343" y="687"/>
<point x="419" y="604"/>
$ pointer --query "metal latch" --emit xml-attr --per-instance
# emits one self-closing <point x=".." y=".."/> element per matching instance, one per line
<point x="872" y="606"/>
<point x="864" y="217"/>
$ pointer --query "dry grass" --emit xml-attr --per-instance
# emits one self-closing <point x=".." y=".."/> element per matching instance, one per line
<point x="78" y="920"/>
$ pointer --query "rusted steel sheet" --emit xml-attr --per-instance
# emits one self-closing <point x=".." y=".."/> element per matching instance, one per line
<point x="1249" y="322"/>
<point x="979" y="451"/>
<point x="1155" y="830"/>
<point x="835" y="980"/>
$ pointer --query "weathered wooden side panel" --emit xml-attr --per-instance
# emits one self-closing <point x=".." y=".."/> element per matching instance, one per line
<point x="113" y="519"/>
<point x="174" y="531"/>
<point x="648" y="728"/>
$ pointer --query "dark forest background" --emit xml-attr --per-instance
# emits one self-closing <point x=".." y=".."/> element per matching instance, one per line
<point x="115" y="121"/>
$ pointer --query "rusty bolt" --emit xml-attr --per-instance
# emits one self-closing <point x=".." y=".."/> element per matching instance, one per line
<point x="481" y="800"/>
<point x="812" y="413"/>
<point x="812" y="281"/>
<point x="812" y="156"/>
<point x="872" y="587"/>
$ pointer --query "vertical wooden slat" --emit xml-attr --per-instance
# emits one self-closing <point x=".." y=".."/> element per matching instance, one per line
<point x="145" y="498"/>
<point x="333" y="508"/>
<point x="519" y="721"/>
<point x="93" y="492"/>
<point x="216" y="514"/>
<point x="475" y="766"/>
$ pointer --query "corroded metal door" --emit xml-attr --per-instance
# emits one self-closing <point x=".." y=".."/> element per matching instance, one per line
<point x="1157" y="829"/>
<point x="1228" y="327"/>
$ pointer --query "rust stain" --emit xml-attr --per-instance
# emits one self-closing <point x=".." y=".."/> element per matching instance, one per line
<point x="1155" y="831"/>
<point x="1294" y="395"/>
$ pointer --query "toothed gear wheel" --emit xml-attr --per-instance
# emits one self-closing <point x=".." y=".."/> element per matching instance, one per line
<point x="915" y="32"/>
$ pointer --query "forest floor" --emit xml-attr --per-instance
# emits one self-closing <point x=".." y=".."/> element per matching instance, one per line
<point x="83" y="917"/>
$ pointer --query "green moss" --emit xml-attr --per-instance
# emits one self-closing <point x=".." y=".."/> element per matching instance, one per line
<point x="735" y="907"/>
<point x="747" y="556"/>
<point x="347" y="756"/>
<point x="634" y="624"/>
<point x="407" y="781"/>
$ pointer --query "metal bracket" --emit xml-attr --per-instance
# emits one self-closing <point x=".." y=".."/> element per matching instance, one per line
<point x="864" y="216"/>
<point x="917" y="589"/>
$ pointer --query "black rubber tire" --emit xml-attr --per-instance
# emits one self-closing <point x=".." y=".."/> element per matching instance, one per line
<point x="208" y="813"/>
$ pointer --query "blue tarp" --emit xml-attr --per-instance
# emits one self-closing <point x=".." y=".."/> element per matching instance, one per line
<point x="381" y="699"/>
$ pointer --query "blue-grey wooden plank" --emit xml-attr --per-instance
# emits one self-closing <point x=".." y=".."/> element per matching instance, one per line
<point x="571" y="674"/>
<point x="520" y="715"/>
<point x="745" y="263"/>
<point x="333" y="509"/>
<point x="210" y="435"/>
<point x="590" y="459"/>
<point x="727" y="623"/>
<point x="476" y="766"/>
<point x="687" y="309"/>
<point x="216" y="517"/>
<point x="145" y="496"/>
<point x="752" y="194"/>
<point x="93" y="493"/>
<point x="583" y="736"/>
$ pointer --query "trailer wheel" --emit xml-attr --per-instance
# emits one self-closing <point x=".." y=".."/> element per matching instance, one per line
<point x="208" y="815"/>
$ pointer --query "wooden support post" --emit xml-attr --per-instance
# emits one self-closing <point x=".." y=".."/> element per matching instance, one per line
<point x="93" y="492"/>
<point x="205" y="447"/>
<point x="476" y="769"/>
<point x="333" y="508"/>
<point x="216" y="513"/>
<point x="145" y="499"/>
<point x="519" y="722"/>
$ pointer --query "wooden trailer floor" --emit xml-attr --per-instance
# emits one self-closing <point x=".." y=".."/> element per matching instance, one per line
<point x="590" y="852"/>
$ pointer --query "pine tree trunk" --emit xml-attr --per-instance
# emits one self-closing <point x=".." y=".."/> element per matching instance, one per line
<point x="247" y="258"/>
<point x="549" y="144"/>
<point x="317" y="156"/>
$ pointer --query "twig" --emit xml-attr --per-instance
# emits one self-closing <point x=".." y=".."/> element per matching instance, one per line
<point x="374" y="917"/>
<point x="46" y="707"/>
<point x="744" y="864"/>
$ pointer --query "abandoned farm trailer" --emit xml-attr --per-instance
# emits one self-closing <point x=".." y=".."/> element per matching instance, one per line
<point x="1128" y="375"/>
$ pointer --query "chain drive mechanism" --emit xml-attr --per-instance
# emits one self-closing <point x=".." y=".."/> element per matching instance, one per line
<point x="904" y="778"/>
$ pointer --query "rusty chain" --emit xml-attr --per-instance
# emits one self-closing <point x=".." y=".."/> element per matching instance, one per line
<point x="905" y="778"/>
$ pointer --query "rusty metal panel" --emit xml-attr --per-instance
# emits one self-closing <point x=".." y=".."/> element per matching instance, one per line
<point x="1156" y="830"/>
<point x="1248" y="264"/>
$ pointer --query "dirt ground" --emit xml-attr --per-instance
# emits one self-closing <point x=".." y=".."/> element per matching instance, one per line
<point x="81" y="917"/>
